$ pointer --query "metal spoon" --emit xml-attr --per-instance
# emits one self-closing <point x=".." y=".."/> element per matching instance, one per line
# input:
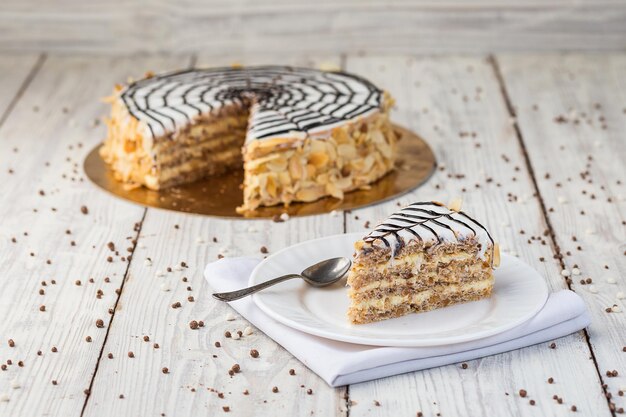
<point x="319" y="275"/>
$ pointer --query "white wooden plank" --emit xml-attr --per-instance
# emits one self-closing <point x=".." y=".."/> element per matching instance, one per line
<point x="456" y="104"/>
<point x="15" y="71"/>
<point x="196" y="378"/>
<point x="44" y="140"/>
<point x="279" y="27"/>
<point x="321" y="61"/>
<point x="571" y="111"/>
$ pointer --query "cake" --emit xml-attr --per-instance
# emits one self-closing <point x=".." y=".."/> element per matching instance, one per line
<point x="423" y="257"/>
<point x="299" y="134"/>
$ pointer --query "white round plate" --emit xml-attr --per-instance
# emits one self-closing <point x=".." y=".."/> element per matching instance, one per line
<point x="519" y="293"/>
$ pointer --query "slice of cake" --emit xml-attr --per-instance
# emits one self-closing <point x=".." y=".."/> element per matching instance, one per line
<point x="299" y="134"/>
<point x="423" y="257"/>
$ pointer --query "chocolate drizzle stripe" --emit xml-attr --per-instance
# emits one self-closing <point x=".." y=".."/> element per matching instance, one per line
<point x="432" y="231"/>
<point x="449" y="216"/>
<point x="414" y="233"/>
<point x="477" y="224"/>
<point x="433" y="218"/>
<point x="447" y="226"/>
<point x="298" y="99"/>
<point x="158" y="121"/>
<point x="493" y="248"/>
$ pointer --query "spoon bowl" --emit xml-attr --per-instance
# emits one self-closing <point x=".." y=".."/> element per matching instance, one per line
<point x="326" y="272"/>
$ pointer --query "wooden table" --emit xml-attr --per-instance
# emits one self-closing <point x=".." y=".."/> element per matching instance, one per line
<point x="535" y="145"/>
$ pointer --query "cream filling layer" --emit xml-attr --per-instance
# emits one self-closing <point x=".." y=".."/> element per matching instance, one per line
<point x="422" y="296"/>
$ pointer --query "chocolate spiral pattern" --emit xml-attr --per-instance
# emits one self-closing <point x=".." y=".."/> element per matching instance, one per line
<point x="284" y="99"/>
<point x="428" y="221"/>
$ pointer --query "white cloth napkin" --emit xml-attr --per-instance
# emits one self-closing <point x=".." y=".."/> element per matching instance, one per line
<point x="340" y="363"/>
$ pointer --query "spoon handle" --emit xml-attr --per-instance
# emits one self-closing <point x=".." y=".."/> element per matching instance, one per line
<point x="236" y="295"/>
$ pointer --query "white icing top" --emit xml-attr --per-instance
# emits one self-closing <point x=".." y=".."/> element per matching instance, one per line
<point x="428" y="222"/>
<point x="283" y="99"/>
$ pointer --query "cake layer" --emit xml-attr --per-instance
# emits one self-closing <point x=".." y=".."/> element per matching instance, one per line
<point x="395" y="305"/>
<point x="419" y="283"/>
<point x="197" y="168"/>
<point x="425" y="274"/>
<point x="205" y="150"/>
<point x="209" y="128"/>
<point x="364" y="280"/>
<point x="416" y="251"/>
<point x="446" y="263"/>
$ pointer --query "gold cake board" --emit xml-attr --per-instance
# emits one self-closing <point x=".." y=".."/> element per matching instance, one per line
<point x="219" y="196"/>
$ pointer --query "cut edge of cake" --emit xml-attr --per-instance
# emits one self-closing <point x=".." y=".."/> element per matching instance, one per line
<point x="424" y="257"/>
<point x="210" y="145"/>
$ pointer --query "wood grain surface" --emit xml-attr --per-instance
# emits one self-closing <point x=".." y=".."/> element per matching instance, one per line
<point x="580" y="105"/>
<point x="497" y="125"/>
<point x="283" y="28"/>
